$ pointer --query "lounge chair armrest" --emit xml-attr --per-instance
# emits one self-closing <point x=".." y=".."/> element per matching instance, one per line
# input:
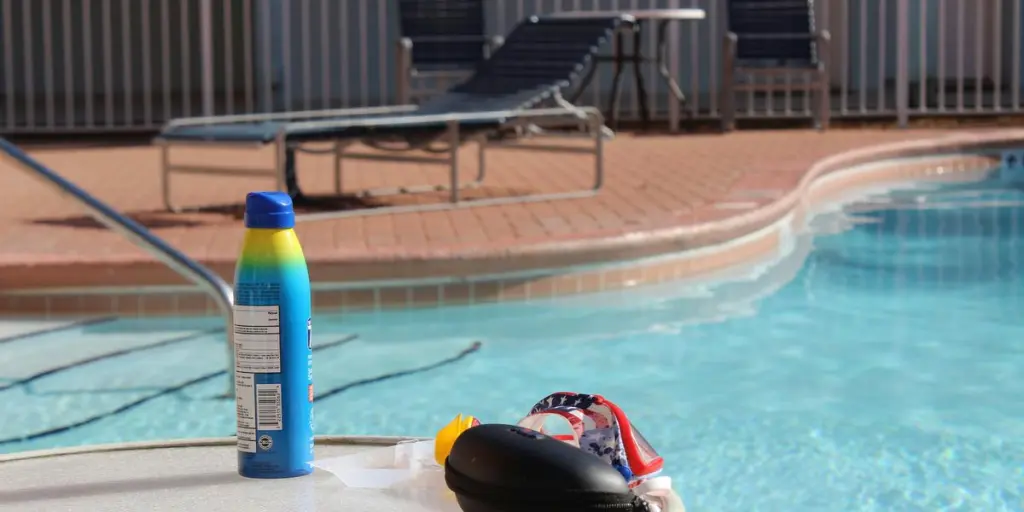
<point x="403" y="63"/>
<point x="492" y="44"/>
<point x="404" y="48"/>
<point x="404" y="44"/>
<point x="729" y="42"/>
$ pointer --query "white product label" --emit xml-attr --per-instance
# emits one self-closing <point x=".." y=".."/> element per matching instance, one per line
<point x="257" y="339"/>
<point x="245" y="405"/>
<point x="268" y="407"/>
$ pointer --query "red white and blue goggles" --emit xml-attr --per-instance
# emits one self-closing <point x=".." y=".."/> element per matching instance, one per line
<point x="599" y="427"/>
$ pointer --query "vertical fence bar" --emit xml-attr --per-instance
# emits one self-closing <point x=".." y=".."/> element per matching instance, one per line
<point x="229" y="57"/>
<point x="206" y="54"/>
<point x="714" y="57"/>
<point x="979" y="55"/>
<point x="9" y="76"/>
<point x="751" y="95"/>
<point x="673" y="66"/>
<point x="941" y="53"/>
<point x="87" y="65"/>
<point x="882" y="50"/>
<point x="69" y="65"/>
<point x="997" y="56"/>
<point x="147" y="65"/>
<point x="345" y="89"/>
<point x="126" y="58"/>
<point x="382" y="53"/>
<point x="286" y="57"/>
<point x="844" y="51"/>
<point x="106" y="26"/>
<point x="186" y="59"/>
<point x="49" y="65"/>
<point x="1015" y="65"/>
<point x="325" y="55"/>
<point x="307" y="63"/>
<point x="661" y="92"/>
<point x="960" y="55"/>
<point x="248" y="56"/>
<point x="364" y="64"/>
<point x="634" y="96"/>
<point x="922" y="56"/>
<point x="862" y="56"/>
<point x="28" y="66"/>
<point x="902" y="64"/>
<point x="165" y="49"/>
<point x="268" y="59"/>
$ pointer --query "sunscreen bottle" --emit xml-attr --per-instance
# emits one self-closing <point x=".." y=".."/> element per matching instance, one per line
<point x="273" y="344"/>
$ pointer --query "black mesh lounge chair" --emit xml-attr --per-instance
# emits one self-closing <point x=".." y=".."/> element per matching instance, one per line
<point x="518" y="88"/>
<point x="442" y="42"/>
<point x="772" y="38"/>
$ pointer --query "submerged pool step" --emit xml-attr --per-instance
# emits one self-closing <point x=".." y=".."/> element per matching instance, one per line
<point x="174" y="377"/>
<point x="18" y="329"/>
<point x="29" y="355"/>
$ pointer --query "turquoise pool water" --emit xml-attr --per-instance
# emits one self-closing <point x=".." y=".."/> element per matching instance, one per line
<point x="873" y="367"/>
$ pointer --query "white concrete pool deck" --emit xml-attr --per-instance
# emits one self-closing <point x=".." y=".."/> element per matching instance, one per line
<point x="193" y="475"/>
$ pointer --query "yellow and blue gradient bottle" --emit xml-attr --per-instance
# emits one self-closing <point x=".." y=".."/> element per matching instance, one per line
<point x="273" y="344"/>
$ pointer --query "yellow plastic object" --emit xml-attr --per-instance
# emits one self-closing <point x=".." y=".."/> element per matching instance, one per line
<point x="446" y="437"/>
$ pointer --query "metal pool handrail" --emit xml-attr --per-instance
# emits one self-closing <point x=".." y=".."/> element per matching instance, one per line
<point x="206" y="279"/>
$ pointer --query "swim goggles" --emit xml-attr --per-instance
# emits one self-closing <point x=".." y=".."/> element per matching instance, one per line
<point x="599" y="427"/>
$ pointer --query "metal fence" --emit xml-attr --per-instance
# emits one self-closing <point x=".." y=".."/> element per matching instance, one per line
<point x="130" y="65"/>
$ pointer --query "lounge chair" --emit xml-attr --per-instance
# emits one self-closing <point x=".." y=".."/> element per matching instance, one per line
<point x="516" y="91"/>
<point x="772" y="38"/>
<point x="443" y="41"/>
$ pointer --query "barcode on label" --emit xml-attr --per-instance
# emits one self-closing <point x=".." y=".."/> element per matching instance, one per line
<point x="268" y="407"/>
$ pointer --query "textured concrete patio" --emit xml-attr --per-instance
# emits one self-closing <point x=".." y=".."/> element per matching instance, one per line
<point x="652" y="182"/>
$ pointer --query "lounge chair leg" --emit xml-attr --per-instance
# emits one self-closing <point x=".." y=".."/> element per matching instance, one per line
<point x="824" y="102"/>
<point x="165" y="178"/>
<point x="481" y="160"/>
<point x="598" y="134"/>
<point x="453" y="158"/>
<point x="728" y="91"/>
<point x="280" y="162"/>
<point x="339" y="155"/>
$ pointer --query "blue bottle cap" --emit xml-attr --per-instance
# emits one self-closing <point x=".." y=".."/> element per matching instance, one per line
<point x="269" y="210"/>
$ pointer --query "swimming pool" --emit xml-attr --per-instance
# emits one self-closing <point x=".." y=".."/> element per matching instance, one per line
<point x="875" y="367"/>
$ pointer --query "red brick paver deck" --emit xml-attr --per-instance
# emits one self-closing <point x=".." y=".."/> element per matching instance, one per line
<point x="652" y="182"/>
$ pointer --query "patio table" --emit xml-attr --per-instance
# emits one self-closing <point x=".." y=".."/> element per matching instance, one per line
<point x="190" y="475"/>
<point x="619" y="58"/>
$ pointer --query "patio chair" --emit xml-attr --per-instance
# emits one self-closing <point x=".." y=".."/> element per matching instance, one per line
<point x="442" y="42"/>
<point x="769" y="39"/>
<point x="515" y="91"/>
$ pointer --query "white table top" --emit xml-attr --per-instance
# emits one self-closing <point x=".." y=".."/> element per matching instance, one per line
<point x="192" y="476"/>
<point x="639" y="14"/>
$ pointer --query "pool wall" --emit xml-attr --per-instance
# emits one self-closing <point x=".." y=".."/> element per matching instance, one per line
<point x="743" y="229"/>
